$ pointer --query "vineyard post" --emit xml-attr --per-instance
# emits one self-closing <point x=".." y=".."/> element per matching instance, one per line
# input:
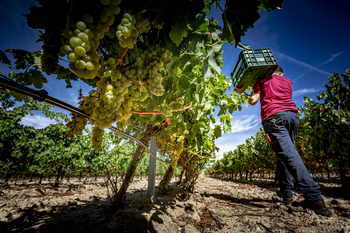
<point x="152" y="170"/>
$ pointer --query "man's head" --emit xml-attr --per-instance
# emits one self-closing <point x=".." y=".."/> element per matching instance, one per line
<point x="278" y="71"/>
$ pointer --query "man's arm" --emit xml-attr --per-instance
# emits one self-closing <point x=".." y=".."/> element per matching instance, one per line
<point x="253" y="98"/>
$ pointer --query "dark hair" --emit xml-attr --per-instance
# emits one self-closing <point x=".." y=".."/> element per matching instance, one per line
<point x="278" y="70"/>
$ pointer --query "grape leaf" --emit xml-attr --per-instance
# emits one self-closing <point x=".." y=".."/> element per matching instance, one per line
<point x="206" y="69"/>
<point x="36" y="78"/>
<point x="184" y="83"/>
<point x="4" y="59"/>
<point x="217" y="131"/>
<point x="67" y="75"/>
<point x="268" y="5"/>
<point x="212" y="61"/>
<point x="203" y="27"/>
<point x="238" y="17"/>
<point x="178" y="32"/>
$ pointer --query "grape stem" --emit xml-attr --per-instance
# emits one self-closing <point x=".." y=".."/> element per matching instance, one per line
<point x="174" y="144"/>
<point x="136" y="81"/>
<point x="189" y="159"/>
<point x="154" y="113"/>
<point x="103" y="53"/>
<point x="121" y="56"/>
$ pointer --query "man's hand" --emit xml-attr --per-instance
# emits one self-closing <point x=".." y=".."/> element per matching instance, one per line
<point x="239" y="90"/>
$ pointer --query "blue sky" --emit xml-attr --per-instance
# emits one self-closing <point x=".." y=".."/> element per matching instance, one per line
<point x="309" y="38"/>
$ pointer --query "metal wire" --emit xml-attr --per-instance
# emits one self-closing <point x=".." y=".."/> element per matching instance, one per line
<point x="42" y="95"/>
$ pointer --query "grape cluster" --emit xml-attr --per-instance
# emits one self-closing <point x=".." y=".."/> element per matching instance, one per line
<point x="130" y="28"/>
<point x="76" y="125"/>
<point x="119" y="93"/>
<point x="51" y="47"/>
<point x="113" y="88"/>
<point x="140" y="96"/>
<point x="149" y="67"/>
<point x="48" y="16"/>
<point x="89" y="103"/>
<point x="81" y="40"/>
<point x="138" y="105"/>
<point x="176" y="150"/>
<point x="97" y="135"/>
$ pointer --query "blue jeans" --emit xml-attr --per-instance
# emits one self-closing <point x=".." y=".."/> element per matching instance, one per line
<point x="283" y="128"/>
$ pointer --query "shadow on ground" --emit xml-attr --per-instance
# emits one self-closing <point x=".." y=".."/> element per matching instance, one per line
<point x="93" y="215"/>
<point x="334" y="191"/>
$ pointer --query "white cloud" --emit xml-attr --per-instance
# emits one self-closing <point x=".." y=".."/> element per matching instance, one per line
<point x="301" y="63"/>
<point x="306" y="90"/>
<point x="71" y="97"/>
<point x="246" y="123"/>
<point x="315" y="68"/>
<point x="37" y="121"/>
<point x="331" y="58"/>
<point x="240" y="124"/>
<point x="229" y="142"/>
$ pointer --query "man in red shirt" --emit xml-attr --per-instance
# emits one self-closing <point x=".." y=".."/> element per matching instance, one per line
<point x="280" y="120"/>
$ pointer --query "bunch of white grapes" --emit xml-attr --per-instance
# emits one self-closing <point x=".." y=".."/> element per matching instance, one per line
<point x="150" y="66"/>
<point x="138" y="105"/>
<point x="112" y="89"/>
<point x="175" y="153"/>
<point x="129" y="29"/>
<point x="97" y="138"/>
<point x="89" y="103"/>
<point x="140" y="96"/>
<point x="89" y="106"/>
<point x="76" y="125"/>
<point x="81" y="40"/>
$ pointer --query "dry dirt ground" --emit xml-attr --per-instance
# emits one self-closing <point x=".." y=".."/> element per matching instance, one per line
<point x="215" y="205"/>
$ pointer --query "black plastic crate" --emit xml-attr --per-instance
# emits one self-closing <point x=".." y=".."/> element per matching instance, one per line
<point x="252" y="65"/>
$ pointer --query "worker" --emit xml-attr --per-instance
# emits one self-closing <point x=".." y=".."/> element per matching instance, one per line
<point x="280" y="120"/>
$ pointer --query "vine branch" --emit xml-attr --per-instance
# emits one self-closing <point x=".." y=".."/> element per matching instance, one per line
<point x="174" y="144"/>
<point x="136" y="81"/>
<point x="121" y="56"/>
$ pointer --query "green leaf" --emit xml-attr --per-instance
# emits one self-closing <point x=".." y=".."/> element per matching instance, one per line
<point x="149" y="107"/>
<point x="217" y="131"/>
<point x="207" y="106"/>
<point x="213" y="120"/>
<point x="178" y="72"/>
<point x="206" y="69"/>
<point x="227" y="34"/>
<point x="203" y="27"/>
<point x="4" y="59"/>
<point x="238" y="17"/>
<point x="67" y="75"/>
<point x="184" y="83"/>
<point x="12" y="75"/>
<point x="268" y="5"/>
<point x="37" y="78"/>
<point x="213" y="63"/>
<point x="178" y="32"/>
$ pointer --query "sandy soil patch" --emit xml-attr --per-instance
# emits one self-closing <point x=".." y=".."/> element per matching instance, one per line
<point x="215" y="205"/>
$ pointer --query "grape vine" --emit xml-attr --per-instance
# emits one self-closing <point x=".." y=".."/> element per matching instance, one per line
<point x="154" y="69"/>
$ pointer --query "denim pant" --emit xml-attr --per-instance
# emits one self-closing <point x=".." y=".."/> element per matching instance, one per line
<point x="283" y="128"/>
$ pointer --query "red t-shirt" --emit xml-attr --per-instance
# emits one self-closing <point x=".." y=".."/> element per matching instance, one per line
<point x="275" y="95"/>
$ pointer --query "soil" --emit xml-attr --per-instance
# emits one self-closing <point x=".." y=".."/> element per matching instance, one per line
<point x="215" y="205"/>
